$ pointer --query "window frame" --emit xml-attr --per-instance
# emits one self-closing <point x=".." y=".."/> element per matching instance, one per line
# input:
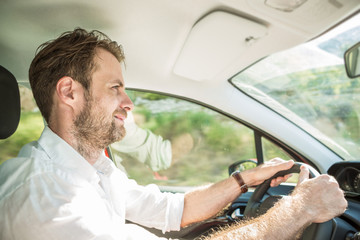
<point x="258" y="134"/>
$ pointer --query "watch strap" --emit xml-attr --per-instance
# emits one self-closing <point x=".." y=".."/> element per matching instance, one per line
<point x="240" y="181"/>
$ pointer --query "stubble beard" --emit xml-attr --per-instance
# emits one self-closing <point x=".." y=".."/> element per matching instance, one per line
<point x="93" y="131"/>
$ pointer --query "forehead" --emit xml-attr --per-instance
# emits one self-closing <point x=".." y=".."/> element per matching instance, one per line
<point x="107" y="67"/>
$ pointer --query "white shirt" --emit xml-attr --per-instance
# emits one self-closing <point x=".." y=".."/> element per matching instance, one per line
<point x="51" y="192"/>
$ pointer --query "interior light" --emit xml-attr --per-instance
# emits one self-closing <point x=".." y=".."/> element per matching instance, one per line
<point x="285" y="5"/>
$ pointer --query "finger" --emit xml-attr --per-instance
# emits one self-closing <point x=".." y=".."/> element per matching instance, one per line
<point x="286" y="177"/>
<point x="285" y="165"/>
<point x="277" y="160"/>
<point x="304" y="174"/>
<point x="277" y="181"/>
<point x="274" y="182"/>
<point x="269" y="169"/>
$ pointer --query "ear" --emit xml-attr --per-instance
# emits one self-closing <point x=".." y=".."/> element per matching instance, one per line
<point x="69" y="91"/>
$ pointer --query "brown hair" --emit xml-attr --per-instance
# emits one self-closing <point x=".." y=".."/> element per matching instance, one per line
<point x="71" y="54"/>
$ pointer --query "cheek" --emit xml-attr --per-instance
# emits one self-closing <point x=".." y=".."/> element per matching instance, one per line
<point x="107" y="107"/>
<point x="80" y="105"/>
<point x="108" y="103"/>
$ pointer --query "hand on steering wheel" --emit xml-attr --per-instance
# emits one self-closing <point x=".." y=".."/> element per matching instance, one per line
<point x="255" y="207"/>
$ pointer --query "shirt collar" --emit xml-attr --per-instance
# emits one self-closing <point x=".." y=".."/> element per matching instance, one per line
<point x="61" y="153"/>
<point x="104" y="165"/>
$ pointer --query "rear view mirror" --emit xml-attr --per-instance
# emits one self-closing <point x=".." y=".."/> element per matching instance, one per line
<point x="242" y="165"/>
<point x="352" y="61"/>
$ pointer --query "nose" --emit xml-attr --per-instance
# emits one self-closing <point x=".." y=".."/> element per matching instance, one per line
<point x="126" y="103"/>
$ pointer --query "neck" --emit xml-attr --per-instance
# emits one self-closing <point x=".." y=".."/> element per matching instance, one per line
<point x="90" y="153"/>
<point x="85" y="148"/>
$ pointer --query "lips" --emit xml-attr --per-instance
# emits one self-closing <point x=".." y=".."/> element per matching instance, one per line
<point x="120" y="116"/>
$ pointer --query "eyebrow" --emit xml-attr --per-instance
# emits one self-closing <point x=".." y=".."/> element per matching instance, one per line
<point x="118" y="81"/>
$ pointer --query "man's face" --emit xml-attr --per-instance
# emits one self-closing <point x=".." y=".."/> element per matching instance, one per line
<point x="101" y="121"/>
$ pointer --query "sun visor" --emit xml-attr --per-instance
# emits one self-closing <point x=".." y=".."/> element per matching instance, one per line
<point x="214" y="43"/>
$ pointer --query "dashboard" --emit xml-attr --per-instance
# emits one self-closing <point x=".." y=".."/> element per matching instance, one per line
<point x="348" y="176"/>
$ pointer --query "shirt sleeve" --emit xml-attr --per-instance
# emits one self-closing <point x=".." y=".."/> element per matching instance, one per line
<point x="145" y="146"/>
<point x="148" y="206"/>
<point x="62" y="212"/>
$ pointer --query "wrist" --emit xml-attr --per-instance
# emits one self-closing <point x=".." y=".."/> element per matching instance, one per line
<point x="240" y="181"/>
<point x="247" y="177"/>
<point x="299" y="199"/>
<point x="296" y="213"/>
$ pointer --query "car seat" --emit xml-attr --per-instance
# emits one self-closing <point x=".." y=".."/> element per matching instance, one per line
<point x="9" y="103"/>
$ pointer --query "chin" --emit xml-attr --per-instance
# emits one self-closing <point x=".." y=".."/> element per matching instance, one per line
<point x="118" y="134"/>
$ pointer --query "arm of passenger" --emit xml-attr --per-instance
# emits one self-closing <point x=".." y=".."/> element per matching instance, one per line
<point x="145" y="146"/>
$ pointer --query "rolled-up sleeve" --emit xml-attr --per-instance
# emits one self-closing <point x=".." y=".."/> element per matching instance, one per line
<point x="148" y="206"/>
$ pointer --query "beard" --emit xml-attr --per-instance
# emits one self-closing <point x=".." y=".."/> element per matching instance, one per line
<point x="94" y="131"/>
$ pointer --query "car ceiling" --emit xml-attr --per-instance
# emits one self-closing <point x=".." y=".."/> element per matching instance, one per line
<point x="169" y="44"/>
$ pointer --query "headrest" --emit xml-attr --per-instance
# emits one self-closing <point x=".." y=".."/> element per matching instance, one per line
<point x="9" y="103"/>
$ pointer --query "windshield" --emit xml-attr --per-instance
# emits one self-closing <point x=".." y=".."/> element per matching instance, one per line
<point x="309" y="86"/>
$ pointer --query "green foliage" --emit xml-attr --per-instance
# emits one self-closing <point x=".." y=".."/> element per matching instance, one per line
<point x="220" y="135"/>
<point x="145" y="95"/>
<point x="29" y="129"/>
<point x="325" y="98"/>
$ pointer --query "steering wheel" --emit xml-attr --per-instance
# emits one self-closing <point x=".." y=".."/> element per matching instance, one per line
<point x="255" y="207"/>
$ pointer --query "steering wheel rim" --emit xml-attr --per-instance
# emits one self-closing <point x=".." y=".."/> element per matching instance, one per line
<point x="253" y="207"/>
<point x="316" y="231"/>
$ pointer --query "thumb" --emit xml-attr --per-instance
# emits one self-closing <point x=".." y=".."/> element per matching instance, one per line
<point x="304" y="174"/>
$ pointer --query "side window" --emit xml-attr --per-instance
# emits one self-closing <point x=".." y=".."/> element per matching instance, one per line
<point x="29" y="129"/>
<point x="270" y="151"/>
<point x="173" y="142"/>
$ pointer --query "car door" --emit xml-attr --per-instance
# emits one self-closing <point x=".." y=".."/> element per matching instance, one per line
<point x="179" y="145"/>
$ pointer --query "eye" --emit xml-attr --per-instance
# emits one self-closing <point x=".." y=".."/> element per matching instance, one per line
<point x="115" y="86"/>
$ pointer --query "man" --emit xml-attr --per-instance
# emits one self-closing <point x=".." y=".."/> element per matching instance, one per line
<point x="63" y="187"/>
